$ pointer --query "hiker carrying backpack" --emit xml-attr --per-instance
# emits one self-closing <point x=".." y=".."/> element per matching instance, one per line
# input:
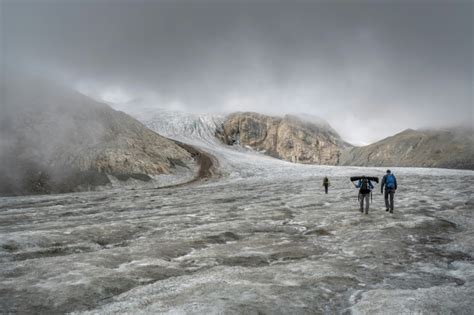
<point x="389" y="181"/>
<point x="365" y="188"/>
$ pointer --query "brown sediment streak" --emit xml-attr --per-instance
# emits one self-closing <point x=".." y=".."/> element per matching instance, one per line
<point x="208" y="165"/>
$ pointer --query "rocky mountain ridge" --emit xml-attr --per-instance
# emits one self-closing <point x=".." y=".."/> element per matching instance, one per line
<point x="312" y="141"/>
<point x="289" y="138"/>
<point x="442" y="148"/>
<point x="60" y="141"/>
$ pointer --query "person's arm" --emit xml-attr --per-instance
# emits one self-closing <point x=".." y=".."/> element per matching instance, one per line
<point x="395" y="180"/>
<point x="371" y="185"/>
<point x="383" y="184"/>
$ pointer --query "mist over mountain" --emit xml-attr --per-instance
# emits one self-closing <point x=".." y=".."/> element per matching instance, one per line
<point x="56" y="140"/>
<point x="378" y="66"/>
<point x="168" y="156"/>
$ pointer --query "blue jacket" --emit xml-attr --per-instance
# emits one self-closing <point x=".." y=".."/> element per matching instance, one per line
<point x="384" y="182"/>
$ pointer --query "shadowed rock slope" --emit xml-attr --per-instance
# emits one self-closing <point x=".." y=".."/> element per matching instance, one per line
<point x="54" y="140"/>
<point x="289" y="138"/>
<point x="451" y="148"/>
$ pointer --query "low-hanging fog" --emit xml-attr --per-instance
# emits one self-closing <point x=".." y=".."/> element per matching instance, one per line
<point x="230" y="228"/>
<point x="370" y="68"/>
<point x="39" y="129"/>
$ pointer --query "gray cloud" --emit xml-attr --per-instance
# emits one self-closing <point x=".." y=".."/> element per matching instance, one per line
<point x="370" y="68"/>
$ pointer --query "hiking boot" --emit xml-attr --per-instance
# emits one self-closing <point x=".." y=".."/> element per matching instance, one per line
<point x="386" y="209"/>
<point x="391" y="211"/>
<point x="361" y="210"/>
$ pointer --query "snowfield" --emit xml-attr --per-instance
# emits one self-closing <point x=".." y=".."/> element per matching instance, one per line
<point x="262" y="238"/>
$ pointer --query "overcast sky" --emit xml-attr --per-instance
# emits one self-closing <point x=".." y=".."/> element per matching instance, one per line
<point x="369" y="68"/>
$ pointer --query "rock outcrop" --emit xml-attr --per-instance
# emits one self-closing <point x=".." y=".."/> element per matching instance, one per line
<point x="313" y="141"/>
<point x="289" y="138"/>
<point x="54" y="140"/>
<point x="450" y="148"/>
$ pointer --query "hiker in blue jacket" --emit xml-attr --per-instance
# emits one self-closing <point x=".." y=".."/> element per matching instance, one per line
<point x="365" y="188"/>
<point x="390" y="183"/>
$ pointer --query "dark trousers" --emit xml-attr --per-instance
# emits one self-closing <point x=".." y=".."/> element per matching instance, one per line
<point x="389" y="193"/>
<point x="326" y="188"/>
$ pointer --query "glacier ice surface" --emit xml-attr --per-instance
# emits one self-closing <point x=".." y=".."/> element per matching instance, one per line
<point x="264" y="238"/>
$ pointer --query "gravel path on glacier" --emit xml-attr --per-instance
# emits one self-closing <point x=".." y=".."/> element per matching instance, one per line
<point x="243" y="244"/>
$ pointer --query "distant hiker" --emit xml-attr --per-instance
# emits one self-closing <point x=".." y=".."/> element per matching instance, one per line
<point x="390" y="183"/>
<point x="365" y="188"/>
<point x="326" y="184"/>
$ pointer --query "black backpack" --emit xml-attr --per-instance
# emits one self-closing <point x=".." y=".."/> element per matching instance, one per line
<point x="364" y="186"/>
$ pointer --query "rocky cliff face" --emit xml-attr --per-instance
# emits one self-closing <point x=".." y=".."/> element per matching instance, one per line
<point x="299" y="140"/>
<point x="61" y="141"/>
<point x="289" y="138"/>
<point x="452" y="148"/>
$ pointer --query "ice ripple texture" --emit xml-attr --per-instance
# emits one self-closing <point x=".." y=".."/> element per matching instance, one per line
<point x="262" y="239"/>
